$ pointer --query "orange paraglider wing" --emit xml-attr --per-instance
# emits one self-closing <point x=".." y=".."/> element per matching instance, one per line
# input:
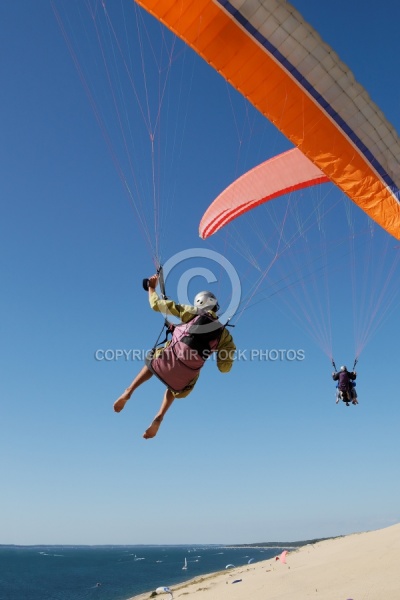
<point x="280" y="64"/>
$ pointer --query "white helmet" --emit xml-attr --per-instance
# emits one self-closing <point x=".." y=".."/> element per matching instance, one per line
<point x="206" y="300"/>
<point x="344" y="368"/>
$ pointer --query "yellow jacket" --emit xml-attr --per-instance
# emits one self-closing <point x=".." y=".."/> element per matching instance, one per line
<point x="226" y="347"/>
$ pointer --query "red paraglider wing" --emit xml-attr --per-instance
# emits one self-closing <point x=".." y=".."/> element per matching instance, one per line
<point x="277" y="176"/>
<point x="282" y="557"/>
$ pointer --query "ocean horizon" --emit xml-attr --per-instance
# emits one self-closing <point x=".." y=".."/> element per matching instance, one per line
<point x="112" y="572"/>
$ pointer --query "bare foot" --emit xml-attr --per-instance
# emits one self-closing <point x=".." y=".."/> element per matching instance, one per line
<point x="122" y="400"/>
<point x="153" y="429"/>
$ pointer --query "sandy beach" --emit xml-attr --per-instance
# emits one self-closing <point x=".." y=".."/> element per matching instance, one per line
<point x="361" y="566"/>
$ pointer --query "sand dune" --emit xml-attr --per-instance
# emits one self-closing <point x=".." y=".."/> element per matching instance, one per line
<point x="363" y="566"/>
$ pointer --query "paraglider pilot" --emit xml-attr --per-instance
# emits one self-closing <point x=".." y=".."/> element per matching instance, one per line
<point x="346" y="386"/>
<point x="178" y="363"/>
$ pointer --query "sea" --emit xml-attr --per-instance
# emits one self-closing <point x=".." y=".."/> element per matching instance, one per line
<point x="111" y="572"/>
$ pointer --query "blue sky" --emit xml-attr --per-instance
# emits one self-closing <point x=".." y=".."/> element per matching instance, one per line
<point x="260" y="454"/>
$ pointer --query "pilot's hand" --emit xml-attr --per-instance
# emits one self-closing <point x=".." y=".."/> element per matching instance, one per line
<point x="153" y="280"/>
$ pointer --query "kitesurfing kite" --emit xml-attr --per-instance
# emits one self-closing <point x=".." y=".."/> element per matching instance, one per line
<point x="266" y="50"/>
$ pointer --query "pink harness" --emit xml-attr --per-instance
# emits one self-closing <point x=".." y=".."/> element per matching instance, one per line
<point x="191" y="344"/>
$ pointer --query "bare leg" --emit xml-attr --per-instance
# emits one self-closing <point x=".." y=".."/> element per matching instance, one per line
<point x="142" y="377"/>
<point x="165" y="405"/>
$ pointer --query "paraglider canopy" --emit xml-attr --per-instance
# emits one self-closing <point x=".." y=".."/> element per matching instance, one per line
<point x="282" y="557"/>
<point x="281" y="65"/>
<point x="279" y="175"/>
<point x="164" y="590"/>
